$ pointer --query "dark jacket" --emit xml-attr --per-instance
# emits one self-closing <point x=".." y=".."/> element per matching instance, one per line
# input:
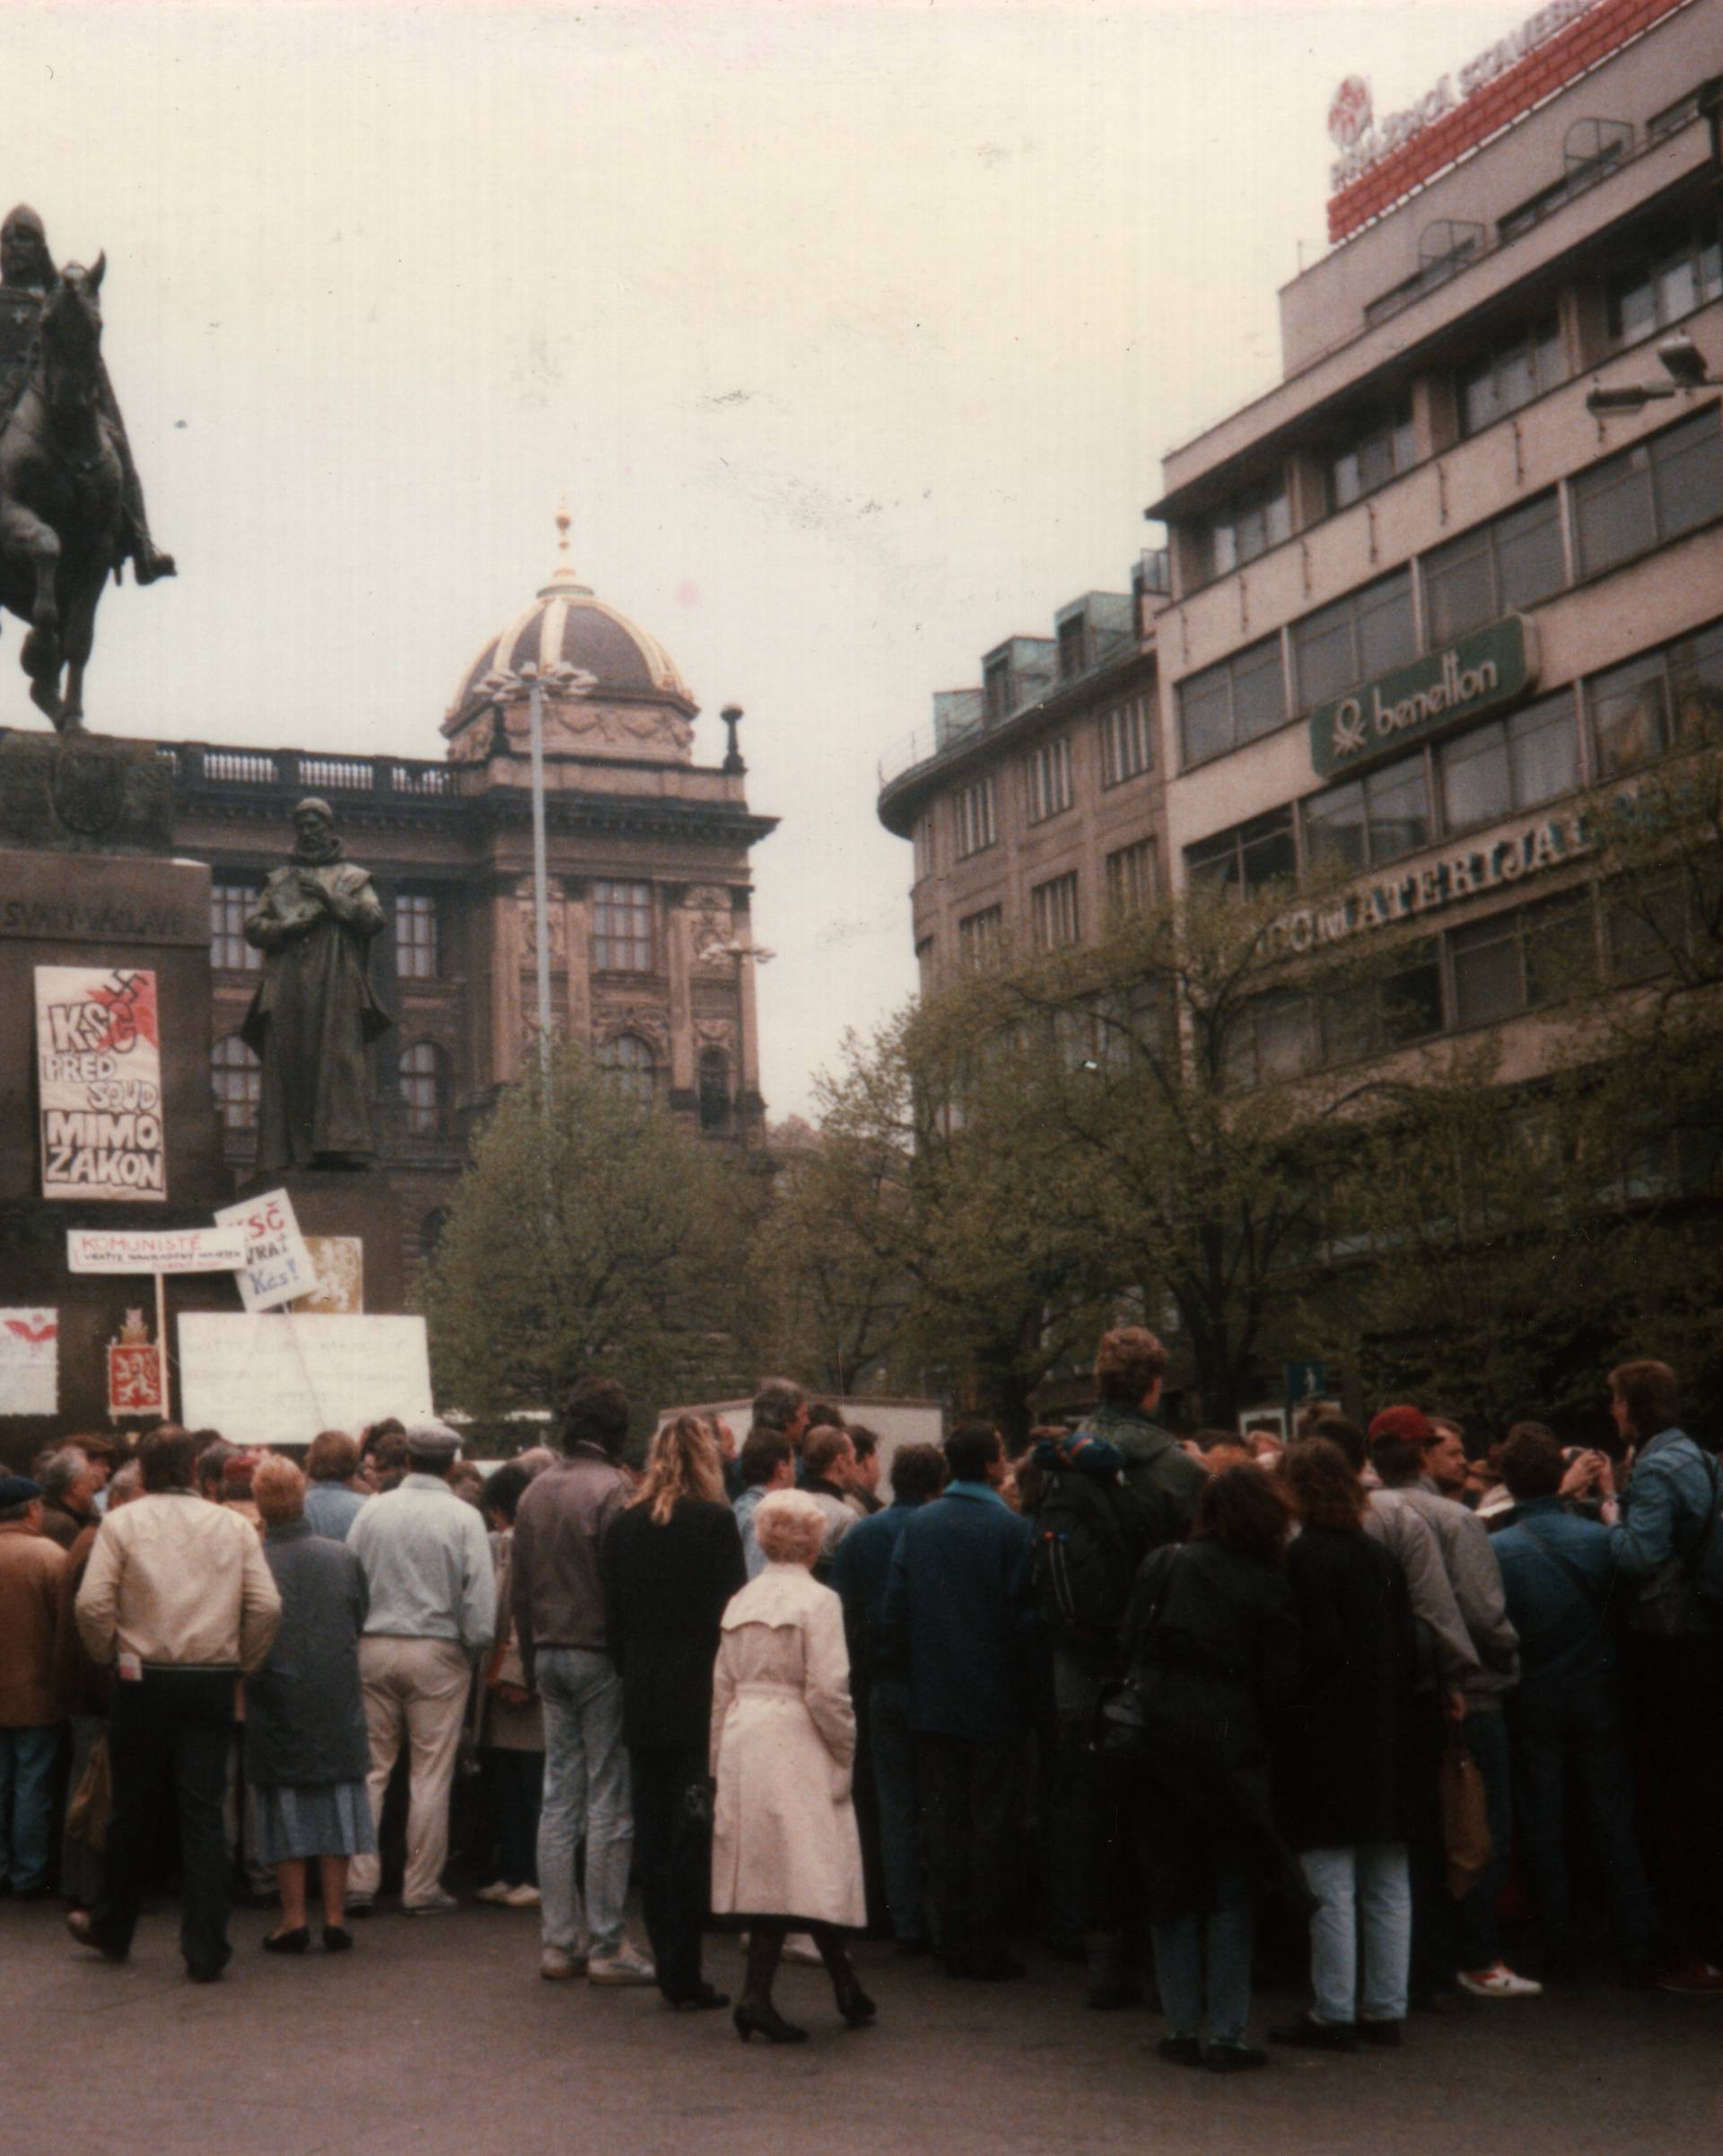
<point x="304" y="1712"/>
<point x="1156" y="1466"/>
<point x="556" y="1587"/>
<point x="1567" y="1624"/>
<point x="1342" y="1767"/>
<point x="665" y="1588"/>
<point x="862" y="1572"/>
<point x="1669" y="1497"/>
<point x="959" y="1616"/>
<point x="61" y="1524"/>
<point x="1212" y="1639"/>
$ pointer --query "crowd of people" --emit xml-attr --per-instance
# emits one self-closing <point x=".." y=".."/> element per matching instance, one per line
<point x="1174" y="1707"/>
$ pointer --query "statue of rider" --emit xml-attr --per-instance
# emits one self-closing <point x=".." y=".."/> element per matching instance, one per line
<point x="27" y="277"/>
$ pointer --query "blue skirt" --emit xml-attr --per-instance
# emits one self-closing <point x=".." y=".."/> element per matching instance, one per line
<point x="318" y="1819"/>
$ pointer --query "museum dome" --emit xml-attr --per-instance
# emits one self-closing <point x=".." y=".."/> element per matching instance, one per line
<point x="567" y="624"/>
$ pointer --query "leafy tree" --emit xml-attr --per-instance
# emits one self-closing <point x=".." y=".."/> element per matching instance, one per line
<point x="589" y="1237"/>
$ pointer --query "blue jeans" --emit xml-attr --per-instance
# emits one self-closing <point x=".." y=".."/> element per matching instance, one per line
<point x="27" y="1762"/>
<point x="586" y="1796"/>
<point x="1365" y="1889"/>
<point x="1477" y="1941"/>
<point x="1227" y="1932"/>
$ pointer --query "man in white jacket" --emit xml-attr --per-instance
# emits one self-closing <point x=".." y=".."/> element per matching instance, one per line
<point x="177" y="1596"/>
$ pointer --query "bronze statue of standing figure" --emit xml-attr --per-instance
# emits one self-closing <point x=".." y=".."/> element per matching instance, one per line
<point x="315" y="1011"/>
<point x="71" y="503"/>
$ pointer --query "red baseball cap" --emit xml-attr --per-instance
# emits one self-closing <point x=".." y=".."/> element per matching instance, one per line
<point x="1410" y="1424"/>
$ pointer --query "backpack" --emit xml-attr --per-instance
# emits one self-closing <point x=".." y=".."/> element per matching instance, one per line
<point x="1089" y="1539"/>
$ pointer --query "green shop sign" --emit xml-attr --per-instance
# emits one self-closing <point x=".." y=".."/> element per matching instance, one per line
<point x="1465" y="679"/>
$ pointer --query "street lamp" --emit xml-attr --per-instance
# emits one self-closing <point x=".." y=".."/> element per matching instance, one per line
<point x="501" y="687"/>
<point x="1685" y="366"/>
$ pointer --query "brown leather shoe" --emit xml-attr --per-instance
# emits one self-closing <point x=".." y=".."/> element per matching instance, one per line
<point x="83" y="1928"/>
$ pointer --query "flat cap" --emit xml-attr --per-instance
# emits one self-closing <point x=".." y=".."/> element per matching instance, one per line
<point x="433" y="1441"/>
<point x="17" y="1489"/>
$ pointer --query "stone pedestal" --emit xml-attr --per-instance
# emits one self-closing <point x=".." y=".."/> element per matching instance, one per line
<point x="75" y="907"/>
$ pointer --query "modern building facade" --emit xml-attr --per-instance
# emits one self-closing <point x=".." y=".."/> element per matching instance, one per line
<point x="1421" y="596"/>
<point x="650" y="889"/>
<point x="1033" y="804"/>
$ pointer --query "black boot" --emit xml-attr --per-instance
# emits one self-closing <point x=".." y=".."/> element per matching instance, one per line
<point x="1113" y="1983"/>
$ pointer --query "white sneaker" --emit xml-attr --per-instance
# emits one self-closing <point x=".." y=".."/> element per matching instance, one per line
<point x="522" y="1896"/>
<point x="435" y="1904"/>
<point x="627" y="1965"/>
<point x="801" y="1949"/>
<point x="555" y="1966"/>
<point x="1499" y="1982"/>
<point x="498" y="1891"/>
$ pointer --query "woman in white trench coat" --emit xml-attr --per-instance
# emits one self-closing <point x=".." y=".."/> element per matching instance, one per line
<point x="785" y="1854"/>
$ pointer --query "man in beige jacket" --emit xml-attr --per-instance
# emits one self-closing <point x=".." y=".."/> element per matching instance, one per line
<point x="177" y="1596"/>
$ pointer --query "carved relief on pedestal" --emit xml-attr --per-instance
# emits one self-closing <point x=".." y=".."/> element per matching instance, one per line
<point x="715" y="1033"/>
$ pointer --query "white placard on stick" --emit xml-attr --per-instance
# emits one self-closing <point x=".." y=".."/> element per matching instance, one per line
<point x="278" y="1268"/>
<point x="277" y="1378"/>
<point x="30" y="1362"/>
<point x="155" y="1250"/>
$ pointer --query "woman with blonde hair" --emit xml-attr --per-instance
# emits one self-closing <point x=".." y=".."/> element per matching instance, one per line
<point x="671" y="1560"/>
<point x="306" y="1750"/>
<point x="786" y="1856"/>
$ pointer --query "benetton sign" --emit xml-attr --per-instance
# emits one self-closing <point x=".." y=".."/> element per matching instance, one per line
<point x="1467" y="678"/>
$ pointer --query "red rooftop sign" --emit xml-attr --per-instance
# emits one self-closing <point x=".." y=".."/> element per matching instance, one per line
<point x="1389" y="160"/>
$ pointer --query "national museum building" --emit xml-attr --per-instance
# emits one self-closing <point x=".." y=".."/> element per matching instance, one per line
<point x="648" y="852"/>
<point x="1431" y="587"/>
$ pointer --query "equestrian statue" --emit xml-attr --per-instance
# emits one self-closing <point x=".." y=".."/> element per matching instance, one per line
<point x="71" y="504"/>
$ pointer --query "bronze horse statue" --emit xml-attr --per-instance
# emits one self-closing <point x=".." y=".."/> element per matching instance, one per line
<point x="61" y="496"/>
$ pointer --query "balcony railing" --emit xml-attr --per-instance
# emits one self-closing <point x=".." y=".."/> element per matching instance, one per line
<point x="197" y="768"/>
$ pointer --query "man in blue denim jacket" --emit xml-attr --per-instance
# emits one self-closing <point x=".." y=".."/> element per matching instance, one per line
<point x="1676" y="1666"/>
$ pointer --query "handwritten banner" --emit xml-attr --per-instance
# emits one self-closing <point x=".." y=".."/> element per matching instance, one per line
<point x="99" y="1062"/>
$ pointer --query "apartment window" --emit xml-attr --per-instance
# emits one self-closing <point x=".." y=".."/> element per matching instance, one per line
<point x="1516" y="960"/>
<point x="1131" y="877"/>
<point x="973" y="818"/>
<point x="423" y="1089"/>
<point x="237" y="1078"/>
<point x="1052" y="913"/>
<point x="1667" y="281"/>
<point x="631" y="1068"/>
<point x="999" y="691"/>
<point x="1674" y="118"/>
<point x="1127" y="740"/>
<point x="1235" y="702"/>
<point x="1657" y="701"/>
<point x="1521" y="366"/>
<point x="1248" y="856"/>
<point x="1511" y="764"/>
<point x="1248" y="523"/>
<point x="980" y="937"/>
<point x="1073" y="647"/>
<point x="229" y="904"/>
<point x="1363" y="635"/>
<point x="1383" y="448"/>
<point x="622" y="927"/>
<point x="1376" y="819"/>
<point x="1046" y="779"/>
<point x="921" y="838"/>
<point x="1512" y="563"/>
<point x="416" y="936"/>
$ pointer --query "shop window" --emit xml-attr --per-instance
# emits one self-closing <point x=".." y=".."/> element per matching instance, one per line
<point x="1511" y="764"/>
<point x="1650" y="493"/>
<point x="1512" y="563"/>
<point x="1225" y="705"/>
<point x="1366" y="634"/>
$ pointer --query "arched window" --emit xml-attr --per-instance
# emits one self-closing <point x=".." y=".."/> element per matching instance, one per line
<point x="423" y="1089"/>
<point x="715" y="1090"/>
<point x="629" y="1059"/>
<point x="431" y="1230"/>
<point x="237" y="1077"/>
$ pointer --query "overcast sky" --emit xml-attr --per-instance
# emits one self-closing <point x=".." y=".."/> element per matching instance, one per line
<point x="853" y="336"/>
